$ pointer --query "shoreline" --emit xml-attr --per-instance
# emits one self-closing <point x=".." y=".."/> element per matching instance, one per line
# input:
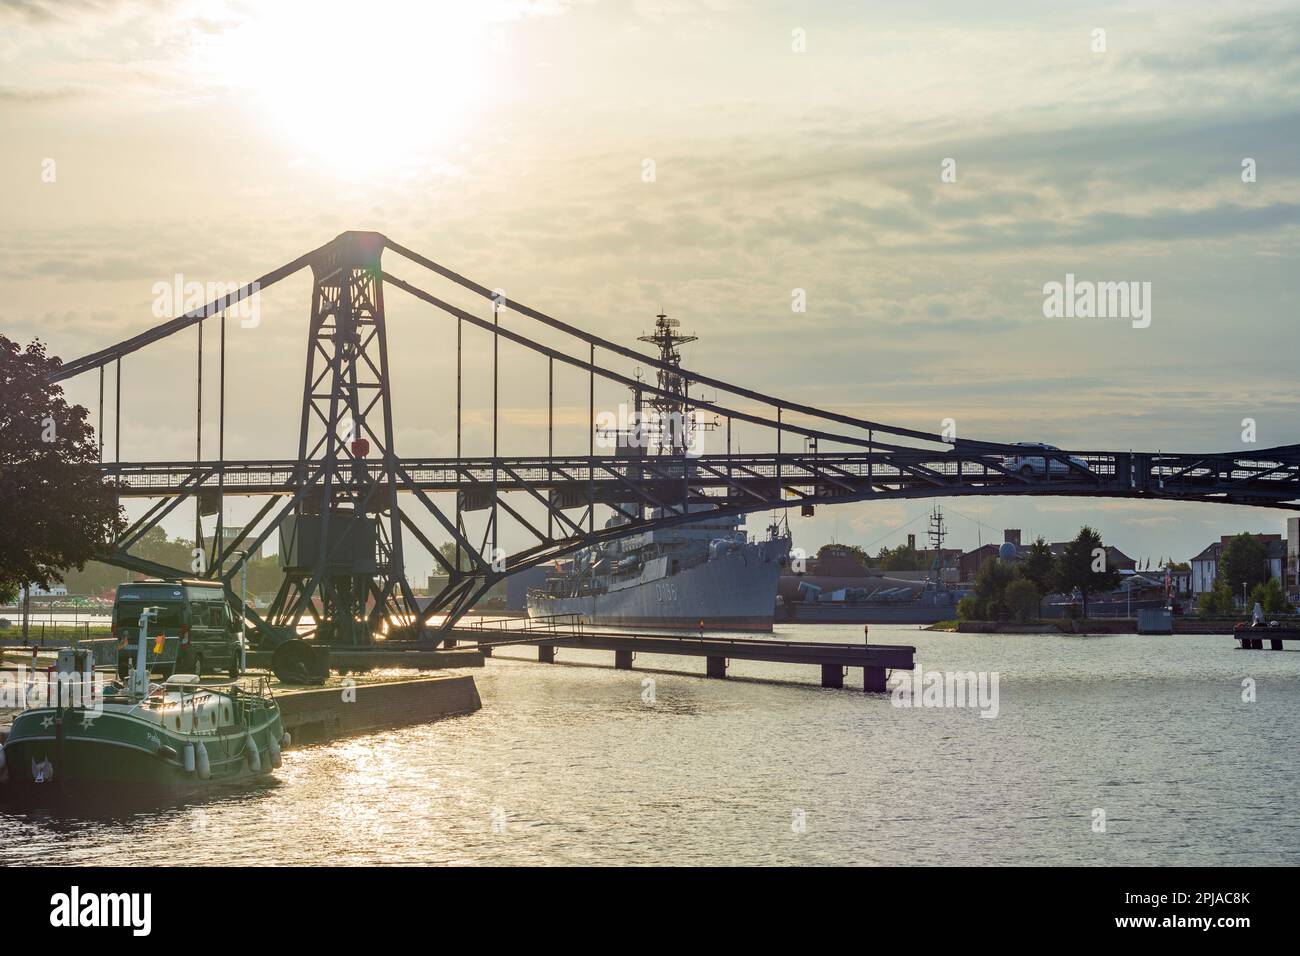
<point x="1082" y="626"/>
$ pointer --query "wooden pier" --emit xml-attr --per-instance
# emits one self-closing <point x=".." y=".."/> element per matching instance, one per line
<point x="876" y="660"/>
<point x="1255" y="637"/>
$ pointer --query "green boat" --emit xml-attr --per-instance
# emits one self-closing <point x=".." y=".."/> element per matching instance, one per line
<point x="184" y="734"/>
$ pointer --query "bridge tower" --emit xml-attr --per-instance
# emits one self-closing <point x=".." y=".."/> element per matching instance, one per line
<point x="341" y="548"/>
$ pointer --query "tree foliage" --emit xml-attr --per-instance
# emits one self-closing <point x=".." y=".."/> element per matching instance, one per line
<point x="55" y="510"/>
<point x="1244" y="559"/>
<point x="902" y="558"/>
<point x="264" y="573"/>
<point x="1218" y="600"/>
<point x="1021" y="598"/>
<point x="854" y="551"/>
<point x="1270" y="597"/>
<point x="991" y="588"/>
<point x="1083" y="566"/>
<point x="1039" y="566"/>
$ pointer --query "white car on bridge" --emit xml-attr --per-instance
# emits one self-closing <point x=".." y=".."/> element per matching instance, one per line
<point x="1028" y="464"/>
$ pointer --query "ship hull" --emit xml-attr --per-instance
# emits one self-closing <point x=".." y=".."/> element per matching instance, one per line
<point x="48" y="751"/>
<point x="735" y="592"/>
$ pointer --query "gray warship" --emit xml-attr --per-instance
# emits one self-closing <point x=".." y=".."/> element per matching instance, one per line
<point x="705" y="574"/>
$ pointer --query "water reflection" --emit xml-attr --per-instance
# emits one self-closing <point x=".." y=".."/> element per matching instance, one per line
<point x="575" y="765"/>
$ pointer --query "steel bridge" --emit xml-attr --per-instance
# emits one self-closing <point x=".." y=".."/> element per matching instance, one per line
<point x="344" y="507"/>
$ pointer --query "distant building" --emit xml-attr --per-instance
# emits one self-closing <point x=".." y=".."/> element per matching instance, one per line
<point x="1293" y="555"/>
<point x="1180" y="579"/>
<point x="1205" y="566"/>
<point x="968" y="565"/>
<point x="54" y="590"/>
<point x="1116" y="560"/>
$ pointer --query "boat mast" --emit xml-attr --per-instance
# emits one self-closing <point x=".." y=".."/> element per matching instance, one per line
<point x="937" y="534"/>
<point x="140" y="677"/>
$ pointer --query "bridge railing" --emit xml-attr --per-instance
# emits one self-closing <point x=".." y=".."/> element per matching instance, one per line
<point x="554" y="623"/>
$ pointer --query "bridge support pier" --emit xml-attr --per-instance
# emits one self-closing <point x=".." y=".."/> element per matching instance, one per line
<point x="716" y="666"/>
<point x="485" y="649"/>
<point x="546" y="653"/>
<point x="832" y="675"/>
<point x="623" y="660"/>
<point x="1275" y="643"/>
<point x="873" y="680"/>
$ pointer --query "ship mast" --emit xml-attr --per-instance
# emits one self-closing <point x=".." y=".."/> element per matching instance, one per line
<point x="937" y="533"/>
<point x="674" y="424"/>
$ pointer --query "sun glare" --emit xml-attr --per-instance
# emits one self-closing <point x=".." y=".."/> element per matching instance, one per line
<point x="364" y="88"/>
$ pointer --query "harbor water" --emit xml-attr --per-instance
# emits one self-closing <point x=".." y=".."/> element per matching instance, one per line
<point x="1105" y="749"/>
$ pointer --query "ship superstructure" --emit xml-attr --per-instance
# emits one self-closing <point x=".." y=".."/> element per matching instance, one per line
<point x="698" y="574"/>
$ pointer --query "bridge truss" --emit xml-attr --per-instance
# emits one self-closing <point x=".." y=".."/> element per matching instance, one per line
<point x="345" y="507"/>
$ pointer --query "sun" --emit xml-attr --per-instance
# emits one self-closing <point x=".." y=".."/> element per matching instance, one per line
<point x="364" y="88"/>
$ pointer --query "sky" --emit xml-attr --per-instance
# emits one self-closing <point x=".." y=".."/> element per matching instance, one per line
<point x="919" y="170"/>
